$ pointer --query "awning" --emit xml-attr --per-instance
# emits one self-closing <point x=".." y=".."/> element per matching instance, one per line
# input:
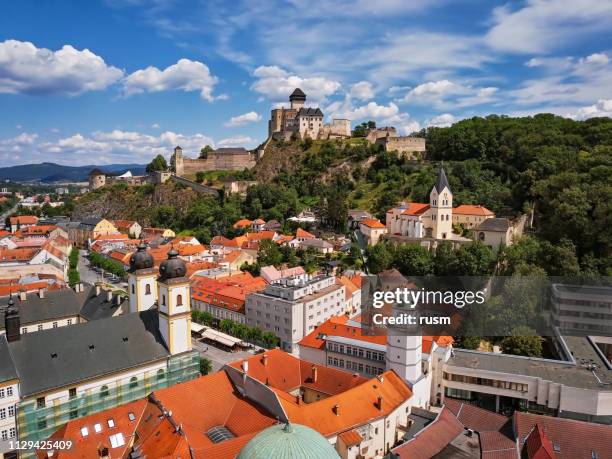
<point x="197" y="328"/>
<point x="222" y="338"/>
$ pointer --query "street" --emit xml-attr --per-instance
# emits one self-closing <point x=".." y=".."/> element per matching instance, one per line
<point x="88" y="275"/>
<point x="218" y="357"/>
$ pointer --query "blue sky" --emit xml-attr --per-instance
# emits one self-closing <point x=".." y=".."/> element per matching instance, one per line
<point x="119" y="81"/>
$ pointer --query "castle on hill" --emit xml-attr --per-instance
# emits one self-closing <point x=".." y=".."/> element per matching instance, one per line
<point x="301" y="121"/>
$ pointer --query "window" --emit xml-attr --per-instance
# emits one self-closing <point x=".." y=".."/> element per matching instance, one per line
<point x="84" y="431"/>
<point x="131" y="416"/>
<point x="72" y="392"/>
<point x="9" y="391"/>
<point x="24" y="330"/>
<point x="160" y="374"/>
<point x="40" y="402"/>
<point x="1" y="393"/>
<point x="148" y="289"/>
<point x="2" y="413"/>
<point x="111" y="423"/>
<point x="12" y="432"/>
<point x="5" y="435"/>
<point x="163" y="300"/>
<point x="116" y="440"/>
<point x="104" y="391"/>
<point x="98" y="427"/>
<point x="179" y="300"/>
<point x="133" y="289"/>
<point x="40" y="327"/>
<point x="133" y="382"/>
<point x="11" y="411"/>
<point x="54" y="324"/>
<point x="69" y="322"/>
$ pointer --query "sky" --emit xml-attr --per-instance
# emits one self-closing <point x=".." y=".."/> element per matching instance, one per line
<point x="119" y="81"/>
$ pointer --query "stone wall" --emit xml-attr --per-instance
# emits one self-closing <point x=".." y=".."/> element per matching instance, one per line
<point x="214" y="162"/>
<point x="410" y="147"/>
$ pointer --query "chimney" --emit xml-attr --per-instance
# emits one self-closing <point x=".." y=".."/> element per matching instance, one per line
<point x="103" y="452"/>
<point x="336" y="409"/>
<point x="379" y="402"/>
<point x="245" y="366"/>
<point x="41" y="293"/>
<point x="98" y="290"/>
<point x="264" y="359"/>
<point x="109" y="296"/>
<point x="12" y="324"/>
<point x="23" y="295"/>
<point x="314" y="374"/>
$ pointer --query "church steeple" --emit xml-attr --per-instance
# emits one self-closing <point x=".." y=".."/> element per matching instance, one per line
<point x="441" y="203"/>
<point x="442" y="181"/>
<point x="141" y="280"/>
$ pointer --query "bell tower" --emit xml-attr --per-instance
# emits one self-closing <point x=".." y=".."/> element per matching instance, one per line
<point x="174" y="304"/>
<point x="297" y="99"/>
<point x="441" y="204"/>
<point x="142" y="283"/>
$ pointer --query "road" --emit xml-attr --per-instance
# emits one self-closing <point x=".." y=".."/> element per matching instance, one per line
<point x="8" y="212"/>
<point x="217" y="356"/>
<point x="88" y="275"/>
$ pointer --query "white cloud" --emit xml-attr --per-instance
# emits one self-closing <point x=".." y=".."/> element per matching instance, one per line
<point x="16" y="144"/>
<point x="26" y="69"/>
<point x="250" y="117"/>
<point x="238" y="141"/>
<point x="155" y="126"/>
<point x="276" y="84"/>
<point x="445" y="93"/>
<point x="542" y="25"/>
<point x="384" y="115"/>
<point x="596" y="58"/>
<point x="362" y="90"/>
<point x="443" y="120"/>
<point x="185" y="75"/>
<point x="603" y="107"/>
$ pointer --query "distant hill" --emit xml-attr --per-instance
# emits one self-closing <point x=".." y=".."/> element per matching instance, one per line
<point x="51" y="172"/>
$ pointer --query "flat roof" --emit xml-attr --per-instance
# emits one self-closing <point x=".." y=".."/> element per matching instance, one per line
<point x="567" y="373"/>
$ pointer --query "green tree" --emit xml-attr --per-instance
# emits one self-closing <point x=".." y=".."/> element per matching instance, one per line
<point x="157" y="164"/>
<point x="269" y="253"/>
<point x="205" y="366"/>
<point x="413" y="260"/>
<point x="380" y="257"/>
<point x="204" y="151"/>
<point x="525" y="343"/>
<point x="474" y="259"/>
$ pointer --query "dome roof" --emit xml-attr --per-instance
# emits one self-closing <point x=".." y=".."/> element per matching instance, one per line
<point x="288" y="441"/>
<point x="173" y="267"/>
<point x="141" y="259"/>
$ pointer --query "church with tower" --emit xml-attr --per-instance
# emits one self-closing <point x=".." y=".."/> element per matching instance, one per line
<point x="63" y="373"/>
<point x="434" y="221"/>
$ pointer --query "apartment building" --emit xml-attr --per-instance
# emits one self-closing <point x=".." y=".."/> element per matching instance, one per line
<point x="292" y="307"/>
<point x="580" y="309"/>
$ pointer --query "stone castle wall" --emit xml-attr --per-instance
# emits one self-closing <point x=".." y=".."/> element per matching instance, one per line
<point x="410" y="147"/>
<point x="215" y="162"/>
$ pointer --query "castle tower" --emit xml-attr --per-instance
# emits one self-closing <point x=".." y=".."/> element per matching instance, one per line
<point x="97" y="179"/>
<point x="441" y="204"/>
<point x="179" y="167"/>
<point x="142" y="282"/>
<point x="297" y="99"/>
<point x="174" y="304"/>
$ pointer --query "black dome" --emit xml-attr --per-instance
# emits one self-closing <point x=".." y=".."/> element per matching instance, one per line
<point x="141" y="259"/>
<point x="173" y="267"/>
<point x="297" y="94"/>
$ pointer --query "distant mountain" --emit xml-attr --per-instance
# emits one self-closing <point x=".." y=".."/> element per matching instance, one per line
<point x="51" y="172"/>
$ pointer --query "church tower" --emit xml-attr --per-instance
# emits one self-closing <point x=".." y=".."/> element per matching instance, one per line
<point x="441" y="205"/>
<point x="297" y="99"/>
<point x="142" y="283"/>
<point x="174" y="304"/>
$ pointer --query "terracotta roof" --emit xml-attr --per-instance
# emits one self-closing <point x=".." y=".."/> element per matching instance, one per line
<point x="261" y="235"/>
<point x="372" y="223"/>
<point x="432" y="439"/>
<point x="37" y="230"/>
<point x="190" y="249"/>
<point x="123" y="224"/>
<point x="572" y="438"/>
<point x="6" y="290"/>
<point x="466" y="209"/>
<point x="352" y="407"/>
<point x="351" y="438"/>
<point x="8" y="255"/>
<point x="415" y="208"/>
<point x="87" y="447"/>
<point x="476" y="418"/>
<point x="286" y="372"/>
<point x="259" y="221"/>
<point x="24" y="220"/>
<point x="242" y="223"/>
<point x="350" y="287"/>
<point x="111" y="237"/>
<point x="303" y="233"/>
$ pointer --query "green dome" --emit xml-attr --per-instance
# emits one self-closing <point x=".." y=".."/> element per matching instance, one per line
<point x="288" y="441"/>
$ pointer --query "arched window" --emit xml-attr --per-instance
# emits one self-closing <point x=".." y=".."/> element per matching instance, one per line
<point x="133" y="291"/>
<point x="148" y="289"/>
<point x="160" y="374"/>
<point x="133" y="382"/>
<point x="104" y="392"/>
<point x="481" y="236"/>
<point x="179" y="300"/>
<point x="163" y="300"/>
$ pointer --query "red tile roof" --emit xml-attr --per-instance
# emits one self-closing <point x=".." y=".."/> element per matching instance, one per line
<point x="351" y="438"/>
<point x="372" y="223"/>
<point x="466" y="209"/>
<point x="432" y="439"/>
<point x="476" y="418"/>
<point x="416" y="208"/>
<point x="8" y="255"/>
<point x="538" y="445"/>
<point x="24" y="220"/>
<point x="303" y="234"/>
<point x="242" y="223"/>
<point x="573" y="438"/>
